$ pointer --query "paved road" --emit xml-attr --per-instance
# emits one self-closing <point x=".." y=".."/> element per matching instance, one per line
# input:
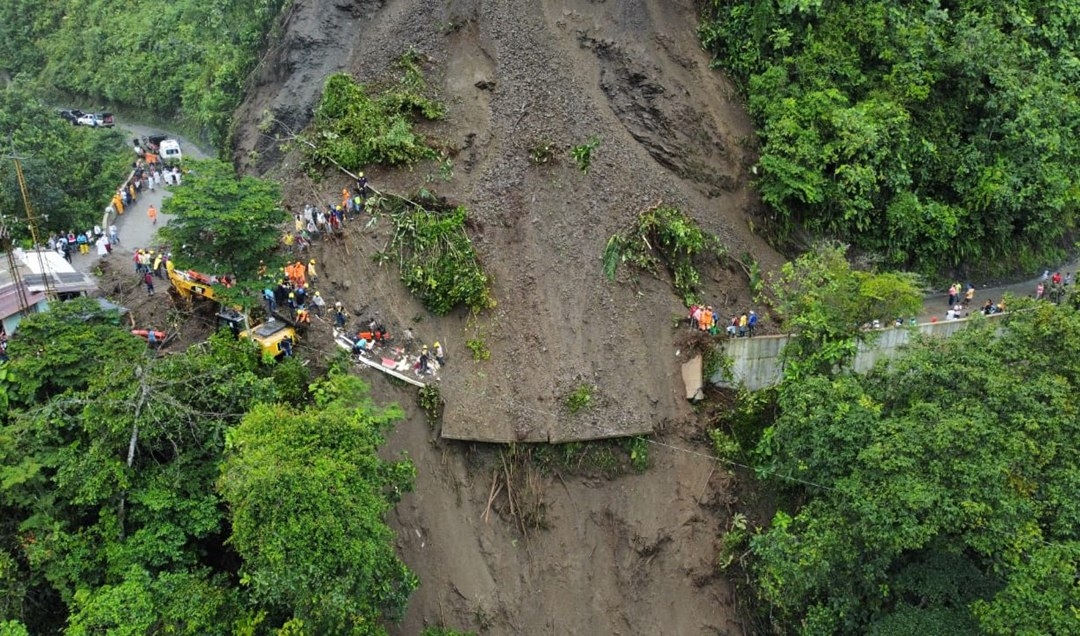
<point x="936" y="304"/>
<point x="136" y="230"/>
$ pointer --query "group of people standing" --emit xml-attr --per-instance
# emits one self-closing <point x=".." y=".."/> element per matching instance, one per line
<point x="101" y="240"/>
<point x="705" y="318"/>
<point x="150" y="264"/>
<point x="315" y="222"/>
<point x="1053" y="287"/>
<point x="294" y="291"/>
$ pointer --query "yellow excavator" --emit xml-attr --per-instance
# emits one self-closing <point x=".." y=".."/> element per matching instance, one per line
<point x="276" y="336"/>
<point x="189" y="285"/>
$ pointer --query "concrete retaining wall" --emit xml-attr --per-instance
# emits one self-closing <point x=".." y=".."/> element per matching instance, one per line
<point x="756" y="362"/>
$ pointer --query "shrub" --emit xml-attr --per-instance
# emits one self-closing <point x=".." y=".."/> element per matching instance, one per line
<point x="579" y="398"/>
<point x="663" y="235"/>
<point x="583" y="154"/>
<point x="435" y="255"/>
<point x="356" y="125"/>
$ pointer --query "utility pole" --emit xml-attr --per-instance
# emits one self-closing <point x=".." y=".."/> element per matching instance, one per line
<point x="31" y="222"/>
<point x="6" y="244"/>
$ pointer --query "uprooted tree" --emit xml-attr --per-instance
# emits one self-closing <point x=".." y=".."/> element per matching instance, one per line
<point x="664" y="236"/>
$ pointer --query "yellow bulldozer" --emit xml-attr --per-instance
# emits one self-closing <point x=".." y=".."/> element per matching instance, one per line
<point x="275" y="337"/>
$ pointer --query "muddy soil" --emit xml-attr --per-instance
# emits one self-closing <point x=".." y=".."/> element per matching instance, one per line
<point x="514" y="76"/>
<point x="628" y="556"/>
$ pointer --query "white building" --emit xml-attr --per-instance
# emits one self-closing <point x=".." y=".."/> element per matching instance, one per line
<point x="26" y="293"/>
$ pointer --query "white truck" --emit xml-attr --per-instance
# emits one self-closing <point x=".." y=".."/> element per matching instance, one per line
<point x="169" y="151"/>
<point x="95" y="120"/>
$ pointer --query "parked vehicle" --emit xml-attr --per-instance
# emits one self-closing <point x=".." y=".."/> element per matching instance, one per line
<point x="96" y="120"/>
<point x="72" y="115"/>
<point x="169" y="151"/>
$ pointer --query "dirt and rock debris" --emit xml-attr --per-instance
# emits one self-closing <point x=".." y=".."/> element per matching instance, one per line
<point x="630" y="555"/>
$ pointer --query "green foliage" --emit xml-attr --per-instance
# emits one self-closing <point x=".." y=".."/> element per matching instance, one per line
<point x="638" y="450"/>
<point x="357" y="125"/>
<point x="430" y="399"/>
<point x="65" y="349"/>
<point x="479" y="349"/>
<point x="71" y="171"/>
<point x="714" y="361"/>
<point x="579" y="398"/>
<point x="663" y="235"/>
<point x="308" y="494"/>
<point x="825" y="304"/>
<point x="725" y="446"/>
<point x="223" y="223"/>
<point x="734" y="541"/>
<point x="13" y="628"/>
<point x="107" y="480"/>
<point x="912" y="129"/>
<point x="599" y="458"/>
<point x="435" y="256"/>
<point x="582" y="154"/>
<point x="937" y="494"/>
<point x="187" y="58"/>
<point x="291" y="377"/>
<point x="174" y="603"/>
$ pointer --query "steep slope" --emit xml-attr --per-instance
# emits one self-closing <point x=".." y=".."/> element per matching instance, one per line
<point x="633" y="555"/>
<point x="515" y="75"/>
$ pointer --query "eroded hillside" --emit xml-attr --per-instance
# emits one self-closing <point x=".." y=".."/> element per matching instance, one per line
<point x="513" y="76"/>
<point x="634" y="555"/>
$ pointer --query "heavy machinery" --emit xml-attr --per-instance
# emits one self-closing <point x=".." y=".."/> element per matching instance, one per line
<point x="276" y="336"/>
<point x="189" y="285"/>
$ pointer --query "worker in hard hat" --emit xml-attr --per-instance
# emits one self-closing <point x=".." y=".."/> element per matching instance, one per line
<point x="312" y="274"/>
<point x="339" y="315"/>
<point x="361" y="186"/>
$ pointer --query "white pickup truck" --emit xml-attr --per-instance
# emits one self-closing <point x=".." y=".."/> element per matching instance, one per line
<point x="94" y="120"/>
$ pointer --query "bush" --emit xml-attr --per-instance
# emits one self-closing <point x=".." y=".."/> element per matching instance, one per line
<point x="436" y="257"/>
<point x="579" y="398"/>
<point x="663" y="235"/>
<point x="357" y="125"/>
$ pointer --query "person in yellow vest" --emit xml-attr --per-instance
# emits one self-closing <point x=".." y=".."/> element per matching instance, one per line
<point x="312" y="274"/>
<point x="288" y="240"/>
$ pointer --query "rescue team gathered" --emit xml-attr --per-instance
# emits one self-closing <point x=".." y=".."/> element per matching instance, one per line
<point x="290" y="295"/>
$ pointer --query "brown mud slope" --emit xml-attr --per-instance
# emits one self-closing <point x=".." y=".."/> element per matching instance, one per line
<point x="632" y="555"/>
<point x="515" y="74"/>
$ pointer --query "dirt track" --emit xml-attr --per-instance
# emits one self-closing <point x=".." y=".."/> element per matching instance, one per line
<point x="629" y="556"/>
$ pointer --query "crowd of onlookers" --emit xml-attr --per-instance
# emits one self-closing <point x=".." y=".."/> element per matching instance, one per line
<point x="97" y="237"/>
<point x="315" y="222"/>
